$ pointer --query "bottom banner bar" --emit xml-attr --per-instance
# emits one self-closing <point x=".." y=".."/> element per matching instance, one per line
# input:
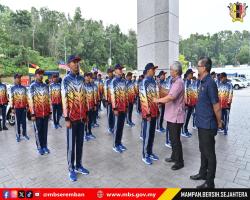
<point x="122" y="193"/>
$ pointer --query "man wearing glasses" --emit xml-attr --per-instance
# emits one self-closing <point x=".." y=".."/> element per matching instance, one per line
<point x="208" y="120"/>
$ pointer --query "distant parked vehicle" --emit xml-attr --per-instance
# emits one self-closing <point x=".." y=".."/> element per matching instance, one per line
<point x="10" y="116"/>
<point x="247" y="82"/>
<point x="237" y="83"/>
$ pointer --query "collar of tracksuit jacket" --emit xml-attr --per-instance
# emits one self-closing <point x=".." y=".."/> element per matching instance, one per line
<point x="129" y="81"/>
<point x="38" y="82"/>
<point x="74" y="75"/>
<point x="150" y="78"/>
<point x="18" y="85"/>
<point x="162" y="81"/>
<point x="118" y="77"/>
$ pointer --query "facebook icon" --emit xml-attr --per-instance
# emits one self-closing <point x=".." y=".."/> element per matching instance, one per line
<point x="6" y="194"/>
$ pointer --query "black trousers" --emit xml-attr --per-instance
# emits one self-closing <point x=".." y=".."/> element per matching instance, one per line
<point x="41" y="131"/>
<point x="225" y="117"/>
<point x="161" y="116"/>
<point x="3" y="112"/>
<point x="138" y="104"/>
<point x="98" y="107"/>
<point x="174" y="134"/>
<point x="21" y="120"/>
<point x="88" y="127"/>
<point x="189" y="110"/>
<point x="111" y="117"/>
<point x="96" y="113"/>
<point x="118" y="128"/>
<point x="208" y="156"/>
<point x="75" y="136"/>
<point x="129" y="113"/>
<point x="148" y="136"/>
<point x="142" y="127"/>
<point x="57" y="113"/>
<point x="194" y="116"/>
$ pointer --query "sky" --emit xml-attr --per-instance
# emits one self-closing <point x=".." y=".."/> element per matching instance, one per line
<point x="209" y="16"/>
<point x="195" y="16"/>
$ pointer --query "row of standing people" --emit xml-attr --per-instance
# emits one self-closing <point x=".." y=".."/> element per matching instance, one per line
<point x="81" y="99"/>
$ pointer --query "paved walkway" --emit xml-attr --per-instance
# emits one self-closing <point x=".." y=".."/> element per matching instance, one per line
<point x="21" y="166"/>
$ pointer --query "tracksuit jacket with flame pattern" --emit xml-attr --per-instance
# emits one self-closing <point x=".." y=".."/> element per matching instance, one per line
<point x="191" y="92"/>
<point x="164" y="86"/>
<point x="100" y="86"/>
<point x="137" y="83"/>
<point x="225" y="93"/>
<point x="3" y="94"/>
<point x="148" y="90"/>
<point x="107" y="94"/>
<point x="39" y="100"/>
<point x="118" y="91"/>
<point x="131" y="91"/>
<point x="55" y="93"/>
<point x="74" y="98"/>
<point x="90" y="95"/>
<point x="19" y="97"/>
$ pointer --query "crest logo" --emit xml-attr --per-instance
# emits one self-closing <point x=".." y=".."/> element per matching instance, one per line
<point x="237" y="11"/>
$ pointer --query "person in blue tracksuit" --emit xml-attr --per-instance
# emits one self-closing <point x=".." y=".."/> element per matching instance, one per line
<point x="39" y="105"/>
<point x="75" y="113"/>
<point x="107" y="97"/>
<point x="138" y="102"/>
<point x="19" y="104"/>
<point x="148" y="91"/>
<point x="131" y="93"/>
<point x="119" y="101"/>
<point x="225" y="93"/>
<point x="159" y="125"/>
<point x="3" y="104"/>
<point x="96" y="84"/>
<point x="91" y="104"/>
<point x="196" y="85"/>
<point x="189" y="101"/>
<point x="56" y="100"/>
<point x="166" y="86"/>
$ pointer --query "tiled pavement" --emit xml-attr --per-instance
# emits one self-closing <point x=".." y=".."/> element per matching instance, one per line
<point x="21" y="166"/>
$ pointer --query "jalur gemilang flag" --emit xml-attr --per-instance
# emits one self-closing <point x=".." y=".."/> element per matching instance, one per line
<point x="62" y="65"/>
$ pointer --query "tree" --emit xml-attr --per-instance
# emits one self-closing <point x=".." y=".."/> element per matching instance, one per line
<point x="40" y="36"/>
<point x="224" y="47"/>
<point x="244" y="55"/>
<point x="184" y="62"/>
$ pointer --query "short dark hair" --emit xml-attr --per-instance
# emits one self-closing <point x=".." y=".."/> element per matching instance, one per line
<point x="207" y="62"/>
<point x="213" y="73"/>
<point x="223" y="74"/>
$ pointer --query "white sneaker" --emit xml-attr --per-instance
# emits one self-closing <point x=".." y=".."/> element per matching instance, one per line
<point x="168" y="145"/>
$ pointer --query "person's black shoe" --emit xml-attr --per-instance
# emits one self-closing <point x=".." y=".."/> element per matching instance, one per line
<point x="169" y="160"/>
<point x="1" y="129"/>
<point x="5" y="128"/>
<point x="198" y="177"/>
<point x="177" y="166"/>
<point x="205" y="185"/>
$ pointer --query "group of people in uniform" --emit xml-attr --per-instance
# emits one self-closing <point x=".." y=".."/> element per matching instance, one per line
<point x="78" y="99"/>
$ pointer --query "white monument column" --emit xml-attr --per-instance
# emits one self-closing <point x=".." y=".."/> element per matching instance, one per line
<point x="158" y="32"/>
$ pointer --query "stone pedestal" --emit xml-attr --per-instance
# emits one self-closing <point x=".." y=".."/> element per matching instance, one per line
<point x="158" y="32"/>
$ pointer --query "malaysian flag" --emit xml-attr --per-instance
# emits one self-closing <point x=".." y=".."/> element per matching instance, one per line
<point x="62" y="65"/>
<point x="33" y="68"/>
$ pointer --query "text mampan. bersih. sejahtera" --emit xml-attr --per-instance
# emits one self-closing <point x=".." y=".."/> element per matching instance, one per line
<point x="228" y="194"/>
